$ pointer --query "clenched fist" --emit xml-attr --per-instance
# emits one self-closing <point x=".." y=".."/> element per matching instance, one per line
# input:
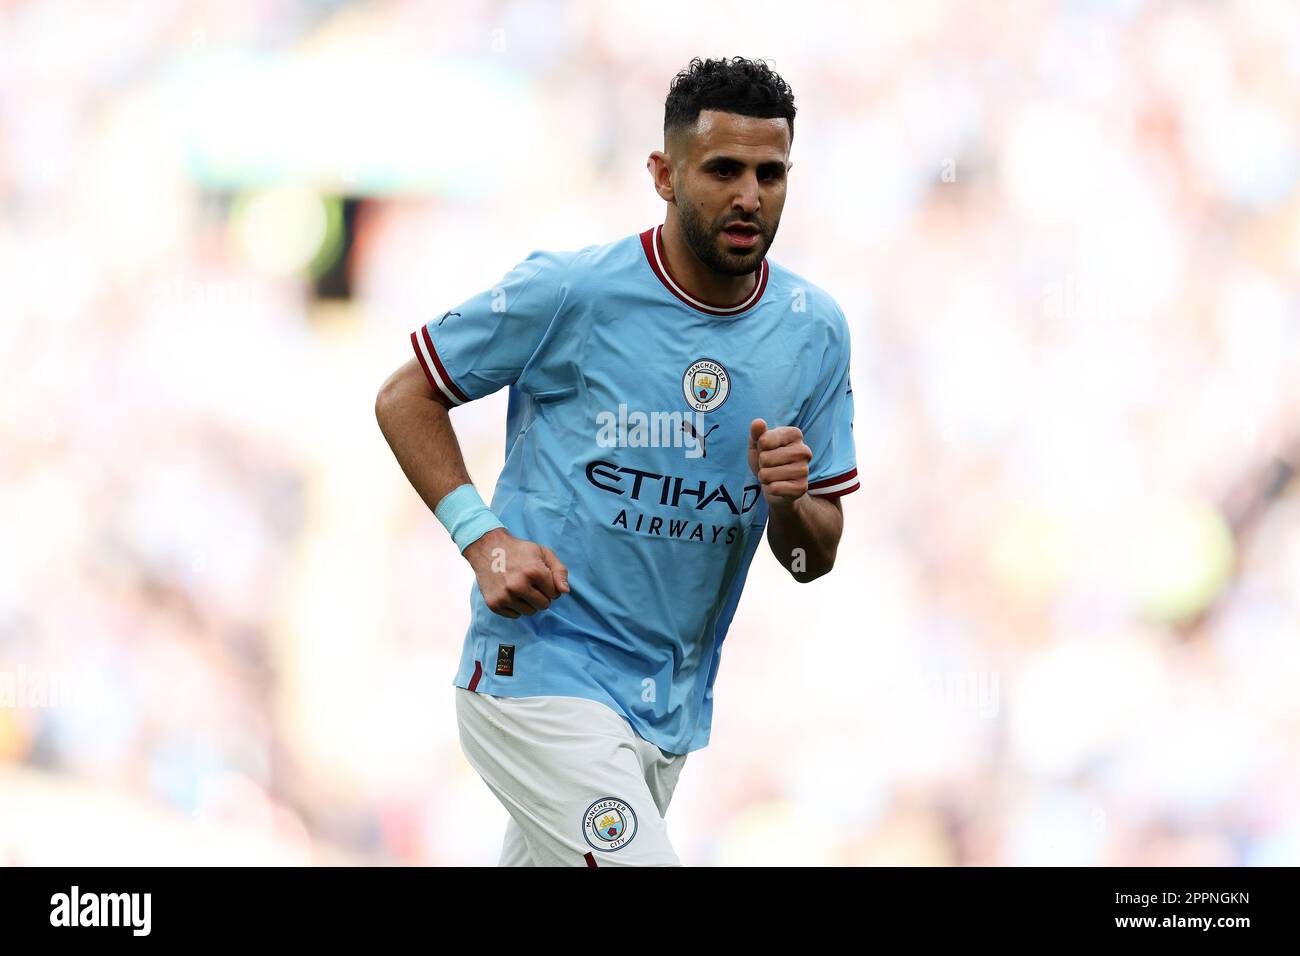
<point x="779" y="460"/>
<point x="516" y="576"/>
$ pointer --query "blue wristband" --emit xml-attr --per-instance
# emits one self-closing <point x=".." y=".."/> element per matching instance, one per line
<point x="463" y="513"/>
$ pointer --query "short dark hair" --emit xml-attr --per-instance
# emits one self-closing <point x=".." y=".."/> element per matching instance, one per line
<point x="738" y="85"/>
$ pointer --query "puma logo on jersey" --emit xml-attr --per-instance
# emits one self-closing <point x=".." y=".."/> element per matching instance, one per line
<point x="688" y="427"/>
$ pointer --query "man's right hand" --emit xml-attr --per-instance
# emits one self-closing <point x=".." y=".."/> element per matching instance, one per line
<point x="516" y="576"/>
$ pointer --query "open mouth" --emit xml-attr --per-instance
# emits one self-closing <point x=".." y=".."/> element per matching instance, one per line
<point x="742" y="234"/>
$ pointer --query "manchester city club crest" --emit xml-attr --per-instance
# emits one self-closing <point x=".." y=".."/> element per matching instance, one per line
<point x="609" y="824"/>
<point x="706" y="385"/>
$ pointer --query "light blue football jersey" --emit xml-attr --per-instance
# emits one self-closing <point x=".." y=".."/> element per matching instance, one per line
<point x="627" y="439"/>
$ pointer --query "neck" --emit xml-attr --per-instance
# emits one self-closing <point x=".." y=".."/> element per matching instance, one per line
<point x="697" y="278"/>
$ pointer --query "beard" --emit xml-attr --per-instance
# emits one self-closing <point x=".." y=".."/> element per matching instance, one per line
<point x="702" y="239"/>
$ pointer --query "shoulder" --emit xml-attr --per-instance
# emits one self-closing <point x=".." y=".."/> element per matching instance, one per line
<point x="576" y="268"/>
<point x="823" y="313"/>
<point x="588" y="257"/>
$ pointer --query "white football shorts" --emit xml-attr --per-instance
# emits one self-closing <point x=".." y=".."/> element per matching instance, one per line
<point x="582" y="787"/>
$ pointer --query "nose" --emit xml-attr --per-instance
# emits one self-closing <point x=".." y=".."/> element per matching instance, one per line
<point x="746" y="199"/>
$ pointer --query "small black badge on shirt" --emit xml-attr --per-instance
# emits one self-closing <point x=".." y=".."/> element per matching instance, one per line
<point x="505" y="660"/>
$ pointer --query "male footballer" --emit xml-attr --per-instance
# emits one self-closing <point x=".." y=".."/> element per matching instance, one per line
<point x="672" y="394"/>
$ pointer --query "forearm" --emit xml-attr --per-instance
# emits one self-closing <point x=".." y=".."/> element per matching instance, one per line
<point x="418" y="430"/>
<point x="805" y="535"/>
<point x="515" y="577"/>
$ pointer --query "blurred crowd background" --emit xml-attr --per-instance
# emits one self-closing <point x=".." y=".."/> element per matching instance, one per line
<point x="1064" y="625"/>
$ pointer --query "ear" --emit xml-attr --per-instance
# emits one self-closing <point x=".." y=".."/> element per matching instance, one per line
<point x="661" y="172"/>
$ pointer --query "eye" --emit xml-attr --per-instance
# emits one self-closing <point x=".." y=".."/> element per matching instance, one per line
<point x="724" y="172"/>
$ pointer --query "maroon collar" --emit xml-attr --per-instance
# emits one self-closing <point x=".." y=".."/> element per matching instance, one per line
<point x="653" y="244"/>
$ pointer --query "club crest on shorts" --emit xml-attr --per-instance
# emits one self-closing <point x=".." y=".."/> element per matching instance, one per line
<point x="609" y="824"/>
<point x="706" y="385"/>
